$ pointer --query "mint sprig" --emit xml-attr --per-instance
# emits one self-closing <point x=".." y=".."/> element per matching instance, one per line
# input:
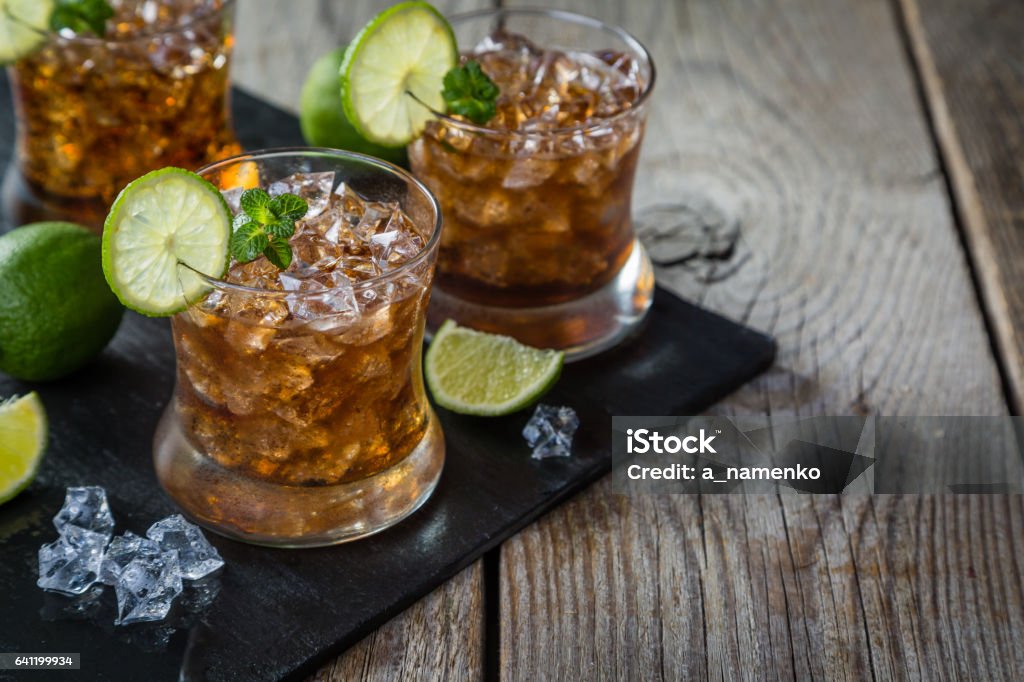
<point x="81" y="16"/>
<point x="469" y="92"/>
<point x="264" y="227"/>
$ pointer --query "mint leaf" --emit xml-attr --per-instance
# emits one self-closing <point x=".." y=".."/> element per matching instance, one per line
<point x="288" y="208"/>
<point x="81" y="16"/>
<point x="264" y="226"/>
<point x="239" y="220"/>
<point x="470" y="93"/>
<point x="248" y="242"/>
<point x="256" y="204"/>
<point x="282" y="228"/>
<point x="279" y="252"/>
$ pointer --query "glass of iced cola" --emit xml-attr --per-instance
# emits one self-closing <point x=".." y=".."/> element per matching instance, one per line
<point x="538" y="240"/>
<point x="299" y="415"/>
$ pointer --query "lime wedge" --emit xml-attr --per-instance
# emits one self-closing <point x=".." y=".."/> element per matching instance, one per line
<point x="23" y="25"/>
<point x="162" y="220"/>
<point x="471" y="372"/>
<point x="405" y="49"/>
<point x="22" y="442"/>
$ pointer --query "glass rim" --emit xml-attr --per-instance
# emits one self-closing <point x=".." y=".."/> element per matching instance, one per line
<point x="570" y="17"/>
<point x="274" y="152"/>
<point x="202" y="14"/>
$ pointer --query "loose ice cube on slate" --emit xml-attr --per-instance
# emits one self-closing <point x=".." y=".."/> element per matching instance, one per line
<point x="121" y="551"/>
<point x="146" y="588"/>
<point x="196" y="555"/>
<point x="85" y="508"/>
<point x="72" y="563"/>
<point x="550" y="431"/>
<point x="199" y="595"/>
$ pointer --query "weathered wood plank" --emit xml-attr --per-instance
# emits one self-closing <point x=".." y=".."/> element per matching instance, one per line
<point x="440" y="637"/>
<point x="832" y="588"/>
<point x="971" y="60"/>
<point x="800" y="122"/>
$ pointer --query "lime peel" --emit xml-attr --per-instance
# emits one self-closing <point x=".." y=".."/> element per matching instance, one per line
<point x="23" y="435"/>
<point x="476" y="373"/>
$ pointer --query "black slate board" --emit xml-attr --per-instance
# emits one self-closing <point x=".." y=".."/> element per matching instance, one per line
<point x="281" y="613"/>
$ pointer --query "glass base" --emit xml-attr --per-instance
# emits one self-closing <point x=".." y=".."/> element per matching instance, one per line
<point x="582" y="328"/>
<point x="22" y="204"/>
<point x="277" y="515"/>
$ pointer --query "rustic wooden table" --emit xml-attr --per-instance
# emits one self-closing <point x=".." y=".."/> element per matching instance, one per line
<point x="870" y="151"/>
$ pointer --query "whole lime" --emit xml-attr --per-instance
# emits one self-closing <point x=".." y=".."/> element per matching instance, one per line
<point x="324" y="123"/>
<point x="56" y="310"/>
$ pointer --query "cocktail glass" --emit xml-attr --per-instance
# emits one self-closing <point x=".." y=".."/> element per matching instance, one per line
<point x="538" y="239"/>
<point x="93" y="113"/>
<point x="299" y="415"/>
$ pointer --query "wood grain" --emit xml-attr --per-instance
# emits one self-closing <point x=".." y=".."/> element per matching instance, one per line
<point x="799" y="587"/>
<point x="441" y="637"/>
<point x="799" y="122"/>
<point x="438" y="638"/>
<point x="971" y="60"/>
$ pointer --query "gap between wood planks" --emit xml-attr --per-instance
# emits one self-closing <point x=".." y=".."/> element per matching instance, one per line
<point x="492" y="614"/>
<point x="922" y="69"/>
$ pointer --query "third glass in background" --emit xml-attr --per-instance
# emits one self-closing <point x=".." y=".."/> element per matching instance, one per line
<point x="93" y="113"/>
<point x="538" y="240"/>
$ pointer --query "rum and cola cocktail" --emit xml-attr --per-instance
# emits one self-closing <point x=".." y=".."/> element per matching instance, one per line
<point x="95" y="113"/>
<point x="299" y="415"/>
<point x="538" y="239"/>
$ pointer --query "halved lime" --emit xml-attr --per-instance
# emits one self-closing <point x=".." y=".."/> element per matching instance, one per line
<point x="159" y="224"/>
<point x="56" y="310"/>
<point x="471" y="372"/>
<point x="23" y="25"/>
<point x="22" y="443"/>
<point x="405" y="49"/>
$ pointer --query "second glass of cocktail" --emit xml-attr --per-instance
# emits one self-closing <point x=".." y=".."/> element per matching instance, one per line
<point x="299" y="415"/>
<point x="538" y="240"/>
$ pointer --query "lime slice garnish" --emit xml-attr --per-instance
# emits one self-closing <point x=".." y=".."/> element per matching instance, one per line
<point x="22" y="442"/>
<point x="405" y="49"/>
<point x="160" y="223"/>
<point x="471" y="372"/>
<point x="23" y="25"/>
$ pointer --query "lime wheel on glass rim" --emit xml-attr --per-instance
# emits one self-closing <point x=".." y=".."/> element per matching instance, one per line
<point x="23" y="26"/>
<point x="162" y="230"/>
<point x="393" y="73"/>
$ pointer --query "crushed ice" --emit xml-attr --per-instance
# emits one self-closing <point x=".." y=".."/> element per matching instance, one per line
<point x="145" y="572"/>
